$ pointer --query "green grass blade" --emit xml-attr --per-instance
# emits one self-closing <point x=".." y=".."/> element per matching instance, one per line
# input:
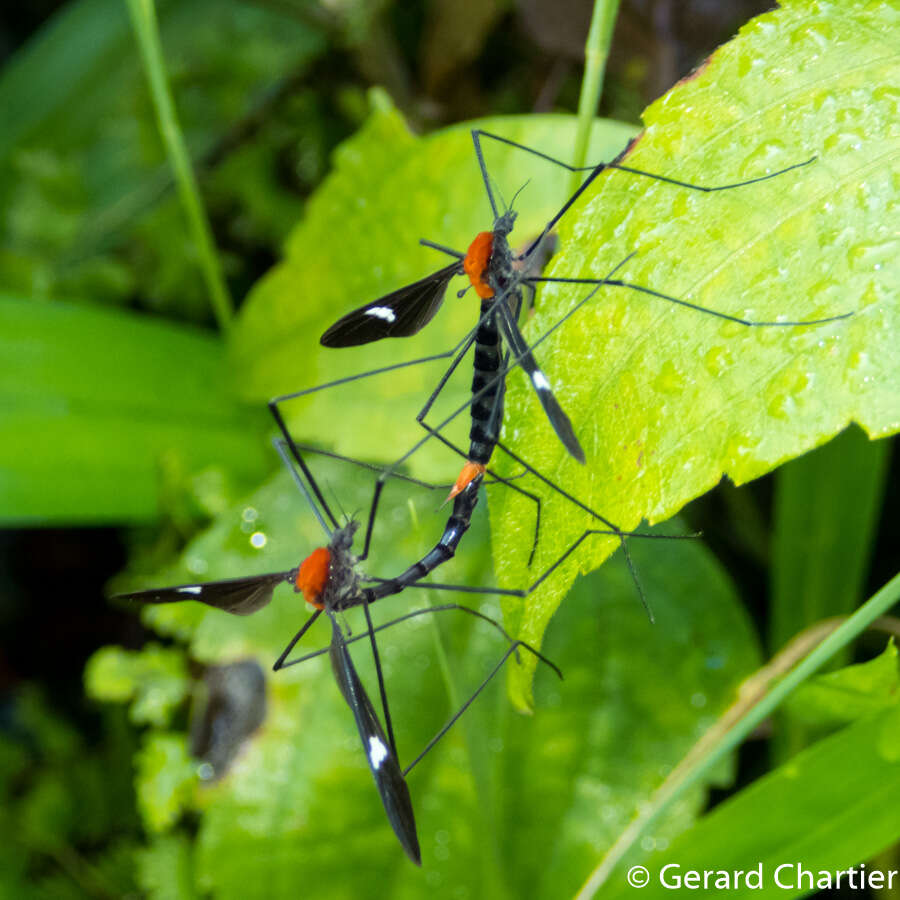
<point x="726" y="734"/>
<point x="95" y="403"/>
<point x="800" y="816"/>
<point x="143" y="17"/>
<point x="596" y="53"/>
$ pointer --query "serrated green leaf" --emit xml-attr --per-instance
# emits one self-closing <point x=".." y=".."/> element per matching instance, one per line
<point x="154" y="679"/>
<point x="837" y="698"/>
<point x="94" y="401"/>
<point x="800" y="814"/>
<point x="668" y="401"/>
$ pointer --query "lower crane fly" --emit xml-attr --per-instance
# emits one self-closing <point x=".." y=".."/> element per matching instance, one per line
<point x="329" y="580"/>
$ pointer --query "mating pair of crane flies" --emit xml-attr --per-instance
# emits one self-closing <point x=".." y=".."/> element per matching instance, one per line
<point x="498" y="276"/>
<point x="328" y="577"/>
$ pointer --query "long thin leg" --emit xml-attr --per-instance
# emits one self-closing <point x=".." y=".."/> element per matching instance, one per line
<point x="452" y="720"/>
<point x="298" y="457"/>
<point x="442" y="248"/>
<point x="514" y="645"/>
<point x="597" y="170"/>
<point x="400" y="476"/>
<point x="280" y="662"/>
<point x="372" y="467"/>
<point x="614" y="529"/>
<point x="601" y="531"/>
<point x="370" y="522"/>
<point x="458" y="358"/>
<point x="293" y="395"/>
<point x="281" y="446"/>
<point x="370" y="630"/>
<point x="275" y="403"/>
<point x="427" y="611"/>
<point x="678" y="301"/>
<point x="615" y="165"/>
<point x="484" y="173"/>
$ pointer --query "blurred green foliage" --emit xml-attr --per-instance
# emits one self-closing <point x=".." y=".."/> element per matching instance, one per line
<point x="111" y="415"/>
<point x="68" y="817"/>
<point x="87" y="210"/>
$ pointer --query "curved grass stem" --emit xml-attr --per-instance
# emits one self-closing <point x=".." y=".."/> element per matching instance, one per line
<point x="146" y="29"/>
<point x="756" y="702"/>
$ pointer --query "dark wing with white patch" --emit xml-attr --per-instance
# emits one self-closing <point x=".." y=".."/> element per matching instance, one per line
<point x="382" y="760"/>
<point x="561" y="423"/>
<point x="399" y="314"/>
<point x="238" y="596"/>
